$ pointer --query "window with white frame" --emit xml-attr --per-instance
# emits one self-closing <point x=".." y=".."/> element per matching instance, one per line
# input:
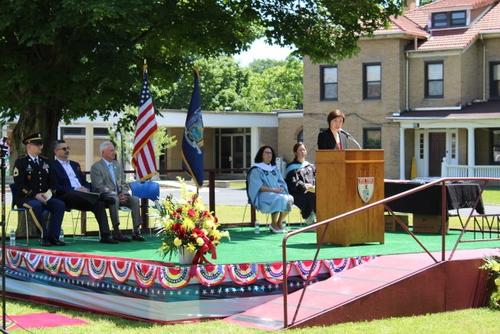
<point x="452" y="19"/>
<point x="329" y="83"/>
<point x="434" y="79"/>
<point x="495" y="80"/>
<point x="372" y="81"/>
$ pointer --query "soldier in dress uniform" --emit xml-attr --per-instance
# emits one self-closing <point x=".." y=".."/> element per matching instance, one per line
<point x="36" y="182"/>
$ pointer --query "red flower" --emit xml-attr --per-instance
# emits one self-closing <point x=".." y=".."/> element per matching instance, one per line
<point x="191" y="213"/>
<point x="179" y="210"/>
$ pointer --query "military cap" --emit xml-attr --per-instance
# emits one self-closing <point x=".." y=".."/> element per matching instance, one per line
<point x="35" y="138"/>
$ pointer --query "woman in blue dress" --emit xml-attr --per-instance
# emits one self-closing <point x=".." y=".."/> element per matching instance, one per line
<point x="301" y="181"/>
<point x="267" y="190"/>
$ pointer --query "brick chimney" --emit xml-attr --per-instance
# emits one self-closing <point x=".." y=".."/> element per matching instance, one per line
<point x="411" y="4"/>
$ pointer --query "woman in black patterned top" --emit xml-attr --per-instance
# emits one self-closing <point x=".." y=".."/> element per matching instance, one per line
<point x="301" y="182"/>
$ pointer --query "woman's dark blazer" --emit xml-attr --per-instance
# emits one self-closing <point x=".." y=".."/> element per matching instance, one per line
<point x="326" y="141"/>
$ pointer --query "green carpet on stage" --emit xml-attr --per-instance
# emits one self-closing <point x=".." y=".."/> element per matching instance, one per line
<point x="247" y="247"/>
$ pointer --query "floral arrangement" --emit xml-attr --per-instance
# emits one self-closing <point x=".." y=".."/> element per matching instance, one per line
<point x="492" y="264"/>
<point x="187" y="227"/>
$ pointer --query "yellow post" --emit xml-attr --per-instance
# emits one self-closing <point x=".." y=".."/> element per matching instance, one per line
<point x="413" y="170"/>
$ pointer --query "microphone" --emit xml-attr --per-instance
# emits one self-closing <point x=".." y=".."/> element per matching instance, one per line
<point x="346" y="133"/>
<point x="350" y="137"/>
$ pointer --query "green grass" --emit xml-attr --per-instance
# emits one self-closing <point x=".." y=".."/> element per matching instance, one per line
<point x="491" y="196"/>
<point x="237" y="184"/>
<point x="464" y="321"/>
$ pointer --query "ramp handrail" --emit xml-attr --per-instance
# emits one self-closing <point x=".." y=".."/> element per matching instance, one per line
<point x="444" y="211"/>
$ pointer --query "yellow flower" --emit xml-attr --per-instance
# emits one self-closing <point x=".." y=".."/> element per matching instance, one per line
<point x="216" y="234"/>
<point x="200" y="241"/>
<point x="177" y="242"/>
<point x="190" y="247"/>
<point x="188" y="224"/>
<point x="497" y="282"/>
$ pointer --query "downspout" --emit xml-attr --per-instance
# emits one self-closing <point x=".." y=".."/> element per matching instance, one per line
<point x="407" y="71"/>
<point x="484" y="67"/>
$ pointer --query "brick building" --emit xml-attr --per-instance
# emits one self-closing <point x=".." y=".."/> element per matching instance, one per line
<point x="426" y="88"/>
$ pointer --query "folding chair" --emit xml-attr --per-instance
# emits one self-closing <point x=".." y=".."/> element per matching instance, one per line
<point x="249" y="201"/>
<point x="20" y="211"/>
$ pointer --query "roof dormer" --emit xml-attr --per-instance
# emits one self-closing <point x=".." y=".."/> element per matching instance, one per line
<point x="449" y="19"/>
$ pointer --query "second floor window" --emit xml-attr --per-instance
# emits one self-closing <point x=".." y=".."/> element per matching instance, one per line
<point x="372" y="83"/>
<point x="434" y="79"/>
<point x="495" y="80"/>
<point x="449" y="19"/>
<point x="329" y="83"/>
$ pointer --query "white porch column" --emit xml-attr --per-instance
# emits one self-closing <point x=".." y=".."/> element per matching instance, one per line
<point x="471" y="151"/>
<point x="402" y="153"/>
<point x="89" y="146"/>
<point x="254" y="142"/>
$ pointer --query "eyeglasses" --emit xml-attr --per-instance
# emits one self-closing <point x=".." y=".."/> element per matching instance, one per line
<point x="268" y="152"/>
<point x="65" y="149"/>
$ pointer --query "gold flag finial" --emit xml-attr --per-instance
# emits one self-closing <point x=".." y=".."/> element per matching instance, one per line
<point x="145" y="67"/>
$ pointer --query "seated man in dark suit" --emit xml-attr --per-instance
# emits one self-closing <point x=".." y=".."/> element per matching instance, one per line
<point x="72" y="186"/>
<point x="34" y="177"/>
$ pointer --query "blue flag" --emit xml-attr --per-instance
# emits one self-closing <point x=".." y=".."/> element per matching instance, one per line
<point x="192" y="140"/>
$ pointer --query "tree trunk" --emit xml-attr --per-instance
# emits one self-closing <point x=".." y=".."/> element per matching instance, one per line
<point x="38" y="119"/>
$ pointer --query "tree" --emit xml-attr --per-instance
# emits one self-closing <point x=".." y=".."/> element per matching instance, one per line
<point x="62" y="59"/>
<point x="222" y="81"/>
<point x="276" y="87"/>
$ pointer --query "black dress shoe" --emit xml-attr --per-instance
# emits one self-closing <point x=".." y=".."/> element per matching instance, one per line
<point x="45" y="243"/>
<point x="56" y="242"/>
<point x="108" y="240"/>
<point x="138" y="237"/>
<point x="121" y="237"/>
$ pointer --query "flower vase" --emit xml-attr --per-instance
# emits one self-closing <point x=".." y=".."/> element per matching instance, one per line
<point x="185" y="256"/>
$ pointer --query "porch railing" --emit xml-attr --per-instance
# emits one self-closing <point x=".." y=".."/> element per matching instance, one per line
<point x="469" y="171"/>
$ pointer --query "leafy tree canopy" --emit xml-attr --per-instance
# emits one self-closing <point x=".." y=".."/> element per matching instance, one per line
<point x="62" y="59"/>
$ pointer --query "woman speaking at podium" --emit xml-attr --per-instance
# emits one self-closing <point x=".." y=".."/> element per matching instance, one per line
<point x="333" y="138"/>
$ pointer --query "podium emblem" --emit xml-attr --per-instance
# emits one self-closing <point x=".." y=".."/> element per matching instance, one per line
<point x="365" y="188"/>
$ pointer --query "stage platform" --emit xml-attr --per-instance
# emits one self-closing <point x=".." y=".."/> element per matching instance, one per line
<point x="131" y="280"/>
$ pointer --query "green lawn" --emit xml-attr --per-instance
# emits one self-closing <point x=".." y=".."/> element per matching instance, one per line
<point x="491" y="196"/>
<point x="465" y="321"/>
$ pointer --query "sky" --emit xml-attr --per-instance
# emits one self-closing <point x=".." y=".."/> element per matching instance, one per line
<point x="261" y="50"/>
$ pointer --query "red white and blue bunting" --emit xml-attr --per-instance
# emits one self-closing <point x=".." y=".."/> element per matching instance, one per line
<point x="120" y="270"/>
<point x="74" y="266"/>
<point x="211" y="274"/>
<point x="308" y="268"/>
<point x="243" y="273"/>
<point x="174" y="277"/>
<point x="273" y="272"/>
<point x="145" y="274"/>
<point x="97" y="268"/>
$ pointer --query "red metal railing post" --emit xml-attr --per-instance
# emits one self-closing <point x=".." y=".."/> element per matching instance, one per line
<point x="444" y="220"/>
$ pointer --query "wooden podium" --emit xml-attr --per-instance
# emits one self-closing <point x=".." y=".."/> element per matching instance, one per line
<point x="338" y="173"/>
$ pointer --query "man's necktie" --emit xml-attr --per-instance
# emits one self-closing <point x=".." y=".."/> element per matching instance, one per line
<point x="112" y="172"/>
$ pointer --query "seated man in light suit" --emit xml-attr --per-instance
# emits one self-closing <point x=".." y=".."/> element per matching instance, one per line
<point x="73" y="189"/>
<point x="107" y="178"/>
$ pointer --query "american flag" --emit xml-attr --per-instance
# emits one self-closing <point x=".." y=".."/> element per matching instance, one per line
<point x="143" y="156"/>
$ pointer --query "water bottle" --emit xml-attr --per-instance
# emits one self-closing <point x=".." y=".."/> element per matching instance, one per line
<point x="12" y="239"/>
<point x="61" y="235"/>
<point x="257" y="227"/>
